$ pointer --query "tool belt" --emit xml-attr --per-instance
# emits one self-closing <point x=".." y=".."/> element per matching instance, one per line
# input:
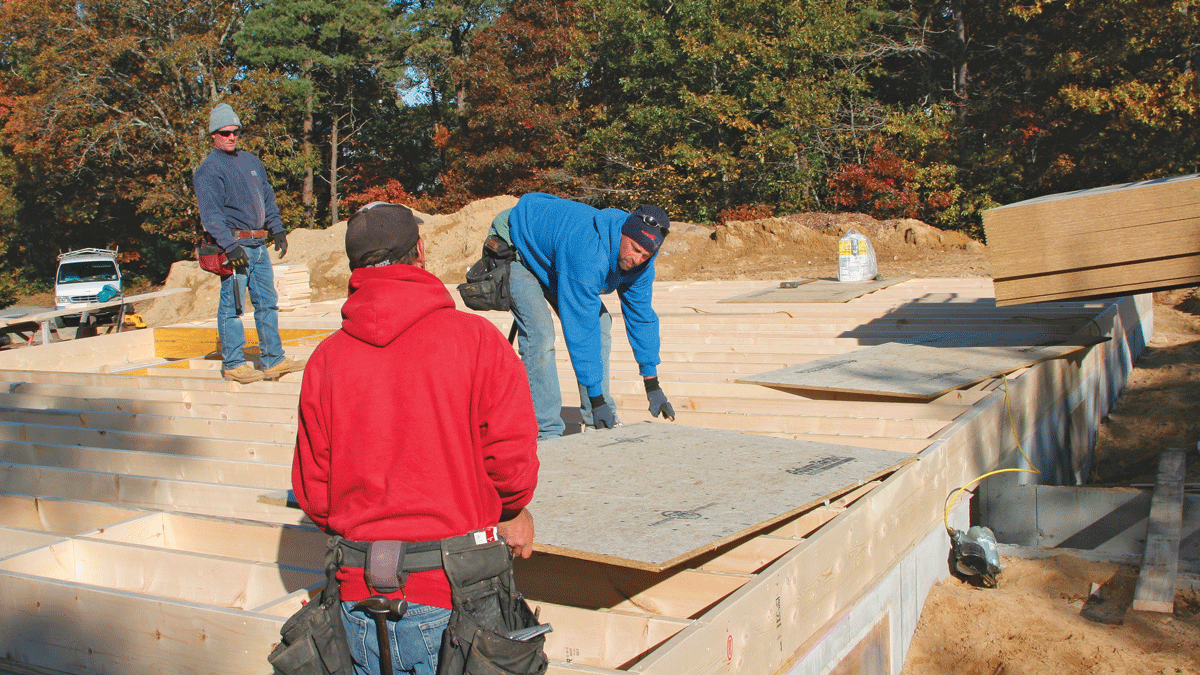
<point x="249" y="234"/>
<point x="313" y="641"/>
<point x="492" y="630"/>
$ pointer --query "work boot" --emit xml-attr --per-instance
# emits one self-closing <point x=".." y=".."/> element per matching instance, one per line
<point x="244" y="374"/>
<point x="283" y="368"/>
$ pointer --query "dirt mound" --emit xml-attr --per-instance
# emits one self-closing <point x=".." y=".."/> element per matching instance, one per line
<point x="1037" y="621"/>
<point x="805" y="245"/>
<point x="801" y="246"/>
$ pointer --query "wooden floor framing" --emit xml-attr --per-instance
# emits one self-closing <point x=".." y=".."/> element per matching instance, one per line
<point x="134" y="537"/>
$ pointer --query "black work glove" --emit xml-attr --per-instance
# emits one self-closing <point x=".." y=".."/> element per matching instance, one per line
<point x="237" y="258"/>
<point x="658" y="400"/>
<point x="280" y="239"/>
<point x="602" y="414"/>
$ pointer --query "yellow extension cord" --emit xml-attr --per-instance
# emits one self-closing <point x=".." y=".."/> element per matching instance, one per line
<point x="1016" y="437"/>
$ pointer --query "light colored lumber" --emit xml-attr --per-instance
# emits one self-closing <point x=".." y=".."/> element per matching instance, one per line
<point x="15" y="540"/>
<point x="604" y="639"/>
<point x="208" y="580"/>
<point x="80" y="355"/>
<point x="269" y="390"/>
<point x="230" y="501"/>
<point x="148" y="464"/>
<point x="289" y="545"/>
<point x="133" y="388"/>
<point x="99" y="399"/>
<point x="750" y="557"/>
<point x="152" y="424"/>
<point x="1155" y="590"/>
<point x="70" y="627"/>
<point x="60" y="516"/>
<point x="273" y="453"/>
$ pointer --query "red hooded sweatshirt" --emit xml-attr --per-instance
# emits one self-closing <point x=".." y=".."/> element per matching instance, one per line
<point x="415" y="424"/>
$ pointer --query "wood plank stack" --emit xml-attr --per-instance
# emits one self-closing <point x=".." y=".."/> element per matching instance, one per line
<point x="292" y="285"/>
<point x="1110" y="241"/>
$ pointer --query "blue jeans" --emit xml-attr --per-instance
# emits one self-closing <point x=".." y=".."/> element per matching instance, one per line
<point x="258" y="278"/>
<point x="531" y="306"/>
<point x="416" y="639"/>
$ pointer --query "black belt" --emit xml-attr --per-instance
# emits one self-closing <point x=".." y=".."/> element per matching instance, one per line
<point x="388" y="562"/>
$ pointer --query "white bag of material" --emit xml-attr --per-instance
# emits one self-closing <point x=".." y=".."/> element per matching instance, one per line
<point x="856" y="258"/>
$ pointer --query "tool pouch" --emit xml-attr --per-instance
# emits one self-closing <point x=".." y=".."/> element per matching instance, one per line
<point x="314" y="638"/>
<point x="487" y="609"/>
<point x="487" y="280"/>
<point x="212" y="259"/>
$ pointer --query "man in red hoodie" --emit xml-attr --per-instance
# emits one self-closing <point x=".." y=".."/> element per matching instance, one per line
<point x="415" y="425"/>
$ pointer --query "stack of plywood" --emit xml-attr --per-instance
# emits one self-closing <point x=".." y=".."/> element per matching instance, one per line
<point x="1117" y="240"/>
<point x="291" y="285"/>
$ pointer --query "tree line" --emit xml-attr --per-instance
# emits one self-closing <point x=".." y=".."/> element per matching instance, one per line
<point x="713" y="109"/>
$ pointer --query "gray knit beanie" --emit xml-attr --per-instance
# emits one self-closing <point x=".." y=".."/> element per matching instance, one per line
<point x="222" y="116"/>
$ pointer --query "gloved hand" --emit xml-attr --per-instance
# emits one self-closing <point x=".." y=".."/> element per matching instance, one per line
<point x="659" y="405"/>
<point x="237" y="258"/>
<point x="602" y="415"/>
<point x="280" y="239"/>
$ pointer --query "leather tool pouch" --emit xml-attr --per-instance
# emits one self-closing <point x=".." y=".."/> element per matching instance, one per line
<point x="212" y="258"/>
<point x="486" y="287"/>
<point x="487" y="612"/>
<point x="314" y="638"/>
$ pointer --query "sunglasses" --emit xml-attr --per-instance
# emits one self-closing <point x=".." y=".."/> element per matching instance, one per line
<point x="649" y="220"/>
<point x="227" y="133"/>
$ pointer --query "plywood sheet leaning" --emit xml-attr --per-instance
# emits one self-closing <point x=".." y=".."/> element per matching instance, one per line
<point x="652" y="495"/>
<point x="816" y="290"/>
<point x="908" y="371"/>
<point x="1115" y="240"/>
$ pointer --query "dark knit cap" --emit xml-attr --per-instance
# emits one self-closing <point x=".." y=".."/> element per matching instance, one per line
<point x="380" y="232"/>
<point x="648" y="226"/>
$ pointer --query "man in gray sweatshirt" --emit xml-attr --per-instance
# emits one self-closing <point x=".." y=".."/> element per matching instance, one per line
<point x="238" y="210"/>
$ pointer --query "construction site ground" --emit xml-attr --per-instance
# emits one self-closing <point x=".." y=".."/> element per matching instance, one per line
<point x="1032" y="623"/>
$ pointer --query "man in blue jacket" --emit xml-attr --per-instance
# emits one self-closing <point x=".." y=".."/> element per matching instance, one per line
<point x="570" y="255"/>
<point x="238" y="210"/>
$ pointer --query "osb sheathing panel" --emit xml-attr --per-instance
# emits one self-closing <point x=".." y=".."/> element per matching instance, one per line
<point x="745" y="607"/>
<point x="695" y="489"/>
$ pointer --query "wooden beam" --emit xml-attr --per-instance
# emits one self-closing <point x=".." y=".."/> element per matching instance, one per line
<point x="264" y="432"/>
<point x="148" y="464"/>
<point x="191" y="446"/>
<point x="177" y="384"/>
<point x="229" y="501"/>
<point x="60" y="516"/>
<point x="1155" y="590"/>
<point x="99" y="399"/>
<point x="288" y="545"/>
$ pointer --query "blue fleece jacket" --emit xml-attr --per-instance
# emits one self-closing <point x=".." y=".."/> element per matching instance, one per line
<point x="573" y="249"/>
<point x="233" y="194"/>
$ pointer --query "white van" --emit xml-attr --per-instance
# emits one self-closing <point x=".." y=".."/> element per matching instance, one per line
<point x="82" y="274"/>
